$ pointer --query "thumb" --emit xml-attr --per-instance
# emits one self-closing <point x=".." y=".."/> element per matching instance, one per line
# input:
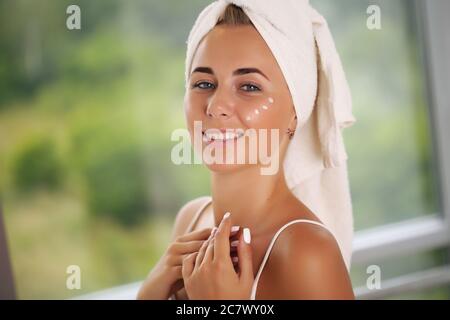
<point x="245" y="256"/>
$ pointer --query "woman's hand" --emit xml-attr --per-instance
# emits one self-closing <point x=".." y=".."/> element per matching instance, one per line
<point x="166" y="277"/>
<point x="210" y="274"/>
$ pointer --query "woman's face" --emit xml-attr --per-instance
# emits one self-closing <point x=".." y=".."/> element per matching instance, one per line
<point x="235" y="85"/>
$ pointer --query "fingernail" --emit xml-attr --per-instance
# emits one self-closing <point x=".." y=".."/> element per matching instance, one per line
<point x="247" y="236"/>
<point x="234" y="243"/>
<point x="226" y="216"/>
<point x="235" y="228"/>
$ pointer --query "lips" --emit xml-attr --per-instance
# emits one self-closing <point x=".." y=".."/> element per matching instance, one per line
<point x="222" y="135"/>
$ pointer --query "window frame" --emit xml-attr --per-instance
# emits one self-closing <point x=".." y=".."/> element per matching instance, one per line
<point x="7" y="288"/>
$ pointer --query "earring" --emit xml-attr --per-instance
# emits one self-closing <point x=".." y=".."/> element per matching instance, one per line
<point x="290" y="132"/>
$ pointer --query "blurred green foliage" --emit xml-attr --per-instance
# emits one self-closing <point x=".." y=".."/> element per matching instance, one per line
<point x="116" y="185"/>
<point x="37" y="165"/>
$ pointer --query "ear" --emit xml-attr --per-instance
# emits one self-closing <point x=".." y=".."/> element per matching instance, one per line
<point x="293" y="122"/>
<point x="333" y="102"/>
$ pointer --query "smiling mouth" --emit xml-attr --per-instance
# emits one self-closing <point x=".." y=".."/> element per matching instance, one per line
<point x="220" y="136"/>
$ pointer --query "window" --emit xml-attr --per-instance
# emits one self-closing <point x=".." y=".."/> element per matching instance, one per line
<point x="85" y="175"/>
<point x="416" y="233"/>
<point x="392" y="134"/>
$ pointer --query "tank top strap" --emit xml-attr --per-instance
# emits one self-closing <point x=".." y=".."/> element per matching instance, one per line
<point x="269" y="249"/>
<point x="198" y="214"/>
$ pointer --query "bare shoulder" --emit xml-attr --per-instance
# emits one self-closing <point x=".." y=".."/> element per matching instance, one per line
<point x="186" y="214"/>
<point x="309" y="264"/>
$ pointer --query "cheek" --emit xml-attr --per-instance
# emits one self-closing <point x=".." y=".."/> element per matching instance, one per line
<point x="193" y="109"/>
<point x="190" y="117"/>
<point x="261" y="114"/>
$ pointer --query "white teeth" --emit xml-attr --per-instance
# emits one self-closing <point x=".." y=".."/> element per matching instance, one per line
<point x="211" y="136"/>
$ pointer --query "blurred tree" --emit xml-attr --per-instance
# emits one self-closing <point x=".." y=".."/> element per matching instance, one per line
<point x="37" y="165"/>
<point x="117" y="186"/>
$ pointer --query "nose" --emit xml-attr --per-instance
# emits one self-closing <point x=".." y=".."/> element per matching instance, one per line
<point x="220" y="106"/>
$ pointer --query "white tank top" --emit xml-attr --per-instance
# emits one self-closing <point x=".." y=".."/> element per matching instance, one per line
<point x="269" y="249"/>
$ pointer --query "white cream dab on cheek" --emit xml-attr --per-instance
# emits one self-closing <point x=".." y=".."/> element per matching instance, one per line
<point x="256" y="112"/>
<point x="270" y="100"/>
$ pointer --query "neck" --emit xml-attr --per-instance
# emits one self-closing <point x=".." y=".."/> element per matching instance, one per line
<point x="249" y="196"/>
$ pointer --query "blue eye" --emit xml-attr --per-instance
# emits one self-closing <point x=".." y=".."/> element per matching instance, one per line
<point x="203" y="85"/>
<point x="250" y="87"/>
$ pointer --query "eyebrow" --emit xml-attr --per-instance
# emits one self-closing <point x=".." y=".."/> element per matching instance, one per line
<point x="236" y="72"/>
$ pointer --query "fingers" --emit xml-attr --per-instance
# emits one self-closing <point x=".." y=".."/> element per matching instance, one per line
<point x="234" y="251"/>
<point x="177" y="260"/>
<point x="202" y="251"/>
<point x="202" y="234"/>
<point x="222" y="238"/>
<point x="245" y="256"/>
<point x="234" y="230"/>
<point x="188" y="265"/>
<point x="209" y="255"/>
<point x="177" y="272"/>
<point x="183" y="247"/>
<point x="179" y="250"/>
<point x="186" y="247"/>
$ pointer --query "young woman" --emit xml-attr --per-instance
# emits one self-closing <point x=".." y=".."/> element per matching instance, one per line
<point x="253" y="238"/>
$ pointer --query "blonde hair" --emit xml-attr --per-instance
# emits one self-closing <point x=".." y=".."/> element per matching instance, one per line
<point x="234" y="16"/>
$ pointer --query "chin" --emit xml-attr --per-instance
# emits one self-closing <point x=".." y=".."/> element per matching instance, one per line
<point x="226" y="163"/>
<point x="226" y="168"/>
